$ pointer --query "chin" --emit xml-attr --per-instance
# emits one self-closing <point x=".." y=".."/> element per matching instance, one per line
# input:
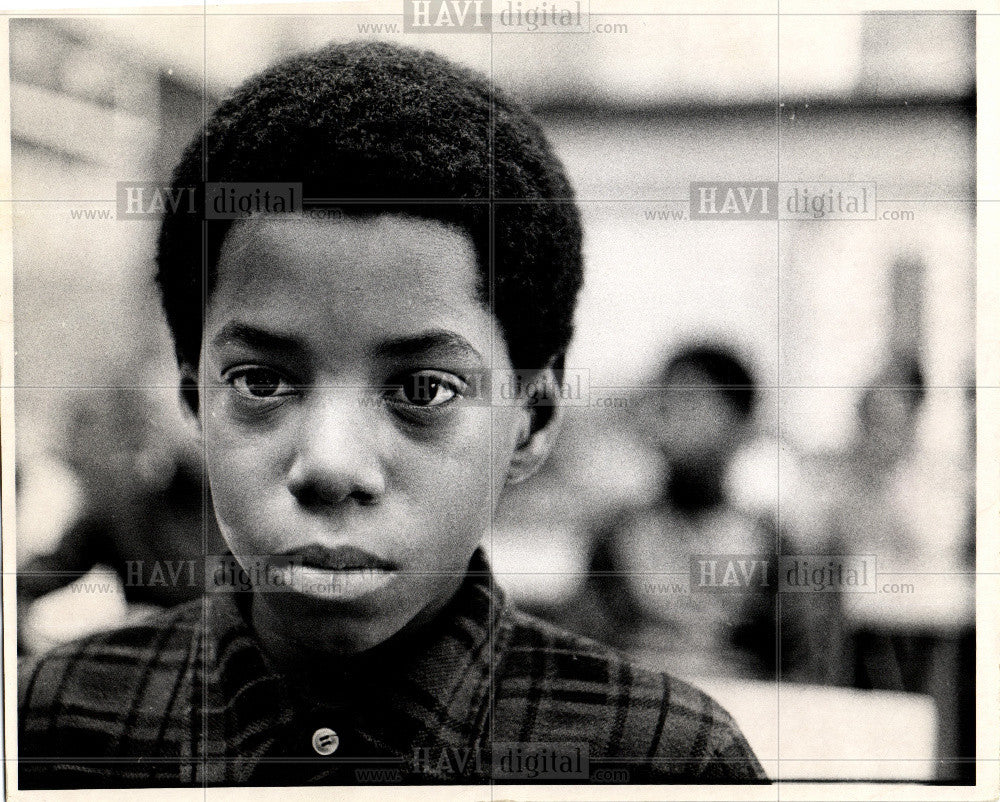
<point x="351" y="636"/>
<point x="362" y="637"/>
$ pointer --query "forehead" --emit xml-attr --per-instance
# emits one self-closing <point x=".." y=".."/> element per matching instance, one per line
<point x="347" y="278"/>
<point x="686" y="374"/>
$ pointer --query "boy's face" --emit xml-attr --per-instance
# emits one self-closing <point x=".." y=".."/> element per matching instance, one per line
<point x="336" y="360"/>
<point x="695" y="423"/>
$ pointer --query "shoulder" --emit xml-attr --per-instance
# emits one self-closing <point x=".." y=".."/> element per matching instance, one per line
<point x="553" y="686"/>
<point x="91" y="687"/>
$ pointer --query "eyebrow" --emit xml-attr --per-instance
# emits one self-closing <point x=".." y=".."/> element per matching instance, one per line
<point x="440" y="341"/>
<point x="256" y="337"/>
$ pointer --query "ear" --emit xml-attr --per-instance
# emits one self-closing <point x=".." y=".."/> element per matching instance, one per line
<point x="189" y="390"/>
<point x="542" y="415"/>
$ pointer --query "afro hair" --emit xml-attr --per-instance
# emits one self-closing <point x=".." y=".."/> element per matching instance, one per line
<point x="724" y="371"/>
<point x="374" y="128"/>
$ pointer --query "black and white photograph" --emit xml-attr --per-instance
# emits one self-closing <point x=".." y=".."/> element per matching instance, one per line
<point x="500" y="400"/>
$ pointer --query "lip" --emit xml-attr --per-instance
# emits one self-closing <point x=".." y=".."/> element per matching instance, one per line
<point x="337" y="558"/>
<point x="340" y="575"/>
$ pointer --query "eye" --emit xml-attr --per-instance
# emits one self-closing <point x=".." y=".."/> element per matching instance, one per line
<point x="258" y="382"/>
<point x="427" y="388"/>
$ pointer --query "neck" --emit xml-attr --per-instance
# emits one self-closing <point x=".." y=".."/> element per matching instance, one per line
<point x="325" y="674"/>
<point x="316" y="662"/>
<point x="694" y="489"/>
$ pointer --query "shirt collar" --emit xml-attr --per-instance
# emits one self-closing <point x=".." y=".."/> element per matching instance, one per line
<point x="430" y="692"/>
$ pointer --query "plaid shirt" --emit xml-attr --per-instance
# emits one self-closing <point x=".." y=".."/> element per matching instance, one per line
<point x="187" y="699"/>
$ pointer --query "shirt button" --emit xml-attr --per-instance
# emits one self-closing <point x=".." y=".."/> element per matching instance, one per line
<point x="325" y="741"/>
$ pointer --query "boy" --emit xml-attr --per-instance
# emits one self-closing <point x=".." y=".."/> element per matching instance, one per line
<point x="699" y="415"/>
<point x="354" y="467"/>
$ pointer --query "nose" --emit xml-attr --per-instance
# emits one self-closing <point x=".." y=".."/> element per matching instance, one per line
<point x="335" y="459"/>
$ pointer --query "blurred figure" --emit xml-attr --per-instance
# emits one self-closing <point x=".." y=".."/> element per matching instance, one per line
<point x="896" y="502"/>
<point x="869" y="513"/>
<point x="637" y="596"/>
<point x="854" y="502"/>
<point x="702" y="417"/>
<point x="885" y="496"/>
<point x="849" y="501"/>
<point x="140" y="512"/>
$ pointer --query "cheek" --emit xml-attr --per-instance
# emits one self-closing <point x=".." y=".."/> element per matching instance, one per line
<point x="458" y="482"/>
<point x="235" y="492"/>
<point x="244" y="476"/>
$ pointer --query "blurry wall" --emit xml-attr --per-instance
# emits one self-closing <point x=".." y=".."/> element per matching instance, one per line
<point x="86" y="113"/>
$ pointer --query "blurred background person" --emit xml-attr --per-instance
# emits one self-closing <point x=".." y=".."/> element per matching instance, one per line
<point x="638" y="595"/>
<point x="866" y="517"/>
<point x="139" y="515"/>
<point x="886" y="498"/>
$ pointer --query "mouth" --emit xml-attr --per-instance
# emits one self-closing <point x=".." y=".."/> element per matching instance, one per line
<point x="339" y="558"/>
<point x="342" y="575"/>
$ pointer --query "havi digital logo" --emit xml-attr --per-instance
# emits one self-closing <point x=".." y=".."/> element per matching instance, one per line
<point x="446" y="16"/>
<point x="734" y="200"/>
